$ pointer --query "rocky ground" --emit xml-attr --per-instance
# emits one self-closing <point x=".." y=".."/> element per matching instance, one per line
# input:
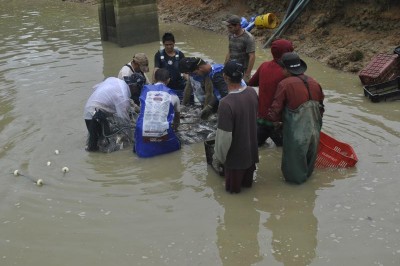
<point x="344" y="34"/>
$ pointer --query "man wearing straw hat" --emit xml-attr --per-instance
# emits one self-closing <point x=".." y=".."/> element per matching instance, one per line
<point x="298" y="102"/>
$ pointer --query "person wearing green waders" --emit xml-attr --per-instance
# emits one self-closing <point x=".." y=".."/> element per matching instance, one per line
<point x="298" y="102"/>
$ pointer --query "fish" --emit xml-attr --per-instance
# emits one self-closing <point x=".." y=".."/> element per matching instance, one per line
<point x="191" y="130"/>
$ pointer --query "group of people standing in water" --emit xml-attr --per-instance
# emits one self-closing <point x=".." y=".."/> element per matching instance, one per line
<point x="288" y="107"/>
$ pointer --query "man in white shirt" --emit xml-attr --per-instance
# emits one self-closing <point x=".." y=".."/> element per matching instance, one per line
<point x="110" y="98"/>
<point x="139" y="64"/>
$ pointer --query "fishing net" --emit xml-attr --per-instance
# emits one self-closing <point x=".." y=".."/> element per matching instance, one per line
<point x="117" y="134"/>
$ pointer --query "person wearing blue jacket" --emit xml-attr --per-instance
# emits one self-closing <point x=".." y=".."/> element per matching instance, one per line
<point x="159" y="117"/>
<point x="205" y="81"/>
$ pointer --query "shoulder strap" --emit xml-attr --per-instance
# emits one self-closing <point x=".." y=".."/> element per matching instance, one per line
<point x="130" y="67"/>
<point x="162" y="56"/>
<point x="306" y="84"/>
<point x="177" y="56"/>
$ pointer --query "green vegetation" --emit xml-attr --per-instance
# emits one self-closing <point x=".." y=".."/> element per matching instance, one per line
<point x="355" y="56"/>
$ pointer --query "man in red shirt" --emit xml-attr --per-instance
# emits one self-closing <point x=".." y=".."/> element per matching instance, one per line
<point x="266" y="78"/>
<point x="298" y="102"/>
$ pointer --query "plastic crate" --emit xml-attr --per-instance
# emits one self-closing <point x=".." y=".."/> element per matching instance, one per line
<point x="397" y="50"/>
<point x="383" y="67"/>
<point x="334" y="154"/>
<point x="389" y="90"/>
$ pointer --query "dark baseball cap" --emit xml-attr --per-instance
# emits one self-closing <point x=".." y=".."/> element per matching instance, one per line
<point x="190" y="64"/>
<point x="293" y="64"/>
<point x="233" y="20"/>
<point x="135" y="79"/>
<point x="234" y="70"/>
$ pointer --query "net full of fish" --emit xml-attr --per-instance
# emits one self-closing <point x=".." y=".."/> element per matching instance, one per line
<point x="191" y="130"/>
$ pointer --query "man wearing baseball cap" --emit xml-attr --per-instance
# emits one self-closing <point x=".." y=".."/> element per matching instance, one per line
<point x="241" y="45"/>
<point x="205" y="81"/>
<point x="298" y="102"/>
<point x="236" y="138"/>
<point x="138" y="64"/>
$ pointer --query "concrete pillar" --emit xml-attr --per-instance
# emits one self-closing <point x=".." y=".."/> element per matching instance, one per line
<point x="128" y="22"/>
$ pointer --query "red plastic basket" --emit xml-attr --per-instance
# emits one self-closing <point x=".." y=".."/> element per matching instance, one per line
<point x="333" y="153"/>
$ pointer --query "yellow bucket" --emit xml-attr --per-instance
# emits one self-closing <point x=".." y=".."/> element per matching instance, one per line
<point x="266" y="21"/>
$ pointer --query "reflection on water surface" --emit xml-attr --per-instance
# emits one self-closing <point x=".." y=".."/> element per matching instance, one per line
<point x="173" y="210"/>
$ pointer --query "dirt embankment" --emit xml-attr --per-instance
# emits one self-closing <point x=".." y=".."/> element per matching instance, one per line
<point x="343" y="34"/>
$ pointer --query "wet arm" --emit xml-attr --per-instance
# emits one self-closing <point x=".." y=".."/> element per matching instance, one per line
<point x="227" y="57"/>
<point x="275" y="111"/>
<point x="321" y="103"/>
<point x="220" y="84"/>
<point x="152" y="76"/>
<point x="157" y="65"/>
<point x="177" y="120"/>
<point x="122" y="110"/>
<point x="252" y="58"/>
<point x="223" y="141"/>
<point x="210" y="99"/>
<point x="187" y="92"/>
<point x="177" y="112"/>
<point x="254" y="81"/>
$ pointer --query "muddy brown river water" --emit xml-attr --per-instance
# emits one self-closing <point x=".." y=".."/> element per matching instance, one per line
<point x="117" y="209"/>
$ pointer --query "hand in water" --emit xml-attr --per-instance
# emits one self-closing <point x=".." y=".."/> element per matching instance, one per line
<point x="206" y="112"/>
<point x="218" y="166"/>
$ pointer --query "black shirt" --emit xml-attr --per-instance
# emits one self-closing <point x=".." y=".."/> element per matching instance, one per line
<point x="171" y="63"/>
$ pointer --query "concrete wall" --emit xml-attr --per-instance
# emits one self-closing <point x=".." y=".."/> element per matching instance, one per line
<point x="128" y="22"/>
